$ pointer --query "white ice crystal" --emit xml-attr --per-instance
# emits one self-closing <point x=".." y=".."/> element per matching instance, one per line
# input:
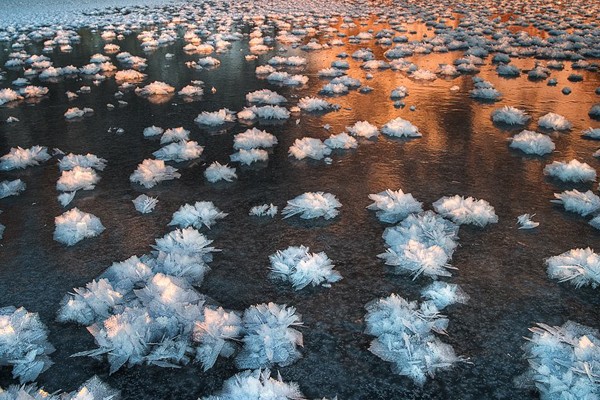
<point x="268" y="112"/>
<point x="490" y="94"/>
<point x="253" y="138"/>
<point x="214" y="335"/>
<point x="525" y="222"/>
<point x="269" y="336"/>
<point x="156" y="88"/>
<point x="78" y="178"/>
<point x="582" y="203"/>
<point x="510" y="116"/>
<point x="151" y="172"/>
<point x="404" y="336"/>
<point x="341" y="141"/>
<point x="309" y="148"/>
<point x="399" y="127"/>
<point x="264" y="210"/>
<point x="314" y="104"/>
<point x="174" y="135"/>
<point x="20" y="158"/>
<point x="257" y="385"/>
<point x="11" y="188"/>
<point x="74" y="226"/>
<point x="572" y="171"/>
<point x="313" y="205"/>
<point x="249" y="156"/>
<point x="581" y="267"/>
<point x="71" y="161"/>
<point x="468" y="210"/>
<point x="92" y="389"/>
<point x="555" y="122"/>
<point x="202" y="213"/>
<point x="8" y="95"/>
<point x="179" y="151"/>
<point x="152" y="131"/>
<point x="363" y="129"/>
<point x="393" y="206"/>
<point x="563" y="361"/>
<point x="443" y="294"/>
<point x="531" y="142"/>
<point x="217" y="172"/>
<point x="145" y="204"/>
<point x="591" y="133"/>
<point x="24" y="344"/>
<point x="94" y="303"/>
<point x="302" y="268"/>
<point x="265" y="96"/>
<point x="215" y="118"/>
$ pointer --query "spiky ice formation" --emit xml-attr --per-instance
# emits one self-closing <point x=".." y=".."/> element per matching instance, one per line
<point x="264" y="210"/>
<point x="554" y="122"/>
<point x="70" y="161"/>
<point x="563" y="361"/>
<point x="174" y="135"/>
<point x="314" y="104"/>
<point x="217" y="172"/>
<point x="92" y="389"/>
<point x="341" y="141"/>
<point x="20" y="158"/>
<point x="404" y="336"/>
<point x="215" y="118"/>
<point x="145" y="204"/>
<point x="525" y="222"/>
<point x="253" y="138"/>
<point x="363" y="129"/>
<point x="249" y="156"/>
<point x="11" y="188"/>
<point x="150" y="172"/>
<point x="309" y="148"/>
<point x="179" y="151"/>
<point x="156" y="88"/>
<point x="257" y="385"/>
<point x="202" y="213"/>
<point x="572" y="171"/>
<point x="443" y="294"/>
<point x="581" y="267"/>
<point x="214" y="335"/>
<point x="74" y="226"/>
<point x="399" y="127"/>
<point x="531" y="142"/>
<point x="393" y="206"/>
<point x="302" y="268"/>
<point x="94" y="303"/>
<point x="265" y="96"/>
<point x="267" y="112"/>
<point x="24" y="343"/>
<point x="313" y="205"/>
<point x="582" y="203"/>
<point x="510" y="115"/>
<point x="78" y="178"/>
<point x="269" y="336"/>
<point x="468" y="210"/>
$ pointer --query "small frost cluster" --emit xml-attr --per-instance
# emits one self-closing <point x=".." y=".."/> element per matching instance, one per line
<point x="302" y="268"/>
<point x="393" y="206"/>
<point x="404" y="334"/>
<point x="313" y="205"/>
<point x="257" y="385"/>
<point x="216" y="172"/>
<point x="531" y="142"/>
<point x="572" y="171"/>
<point x="399" y="127"/>
<point x="24" y="344"/>
<point x="468" y="210"/>
<point x="422" y="244"/>
<point x="151" y="172"/>
<point x="563" y="361"/>
<point x="510" y="116"/>
<point x="581" y="267"/>
<point x="20" y="158"/>
<point x="92" y="389"/>
<point x="582" y="203"/>
<point x="554" y="122"/>
<point x="264" y="210"/>
<point x="202" y="213"/>
<point x="75" y="225"/>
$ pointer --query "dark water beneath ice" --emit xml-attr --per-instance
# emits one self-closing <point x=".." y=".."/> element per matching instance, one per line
<point x="461" y="152"/>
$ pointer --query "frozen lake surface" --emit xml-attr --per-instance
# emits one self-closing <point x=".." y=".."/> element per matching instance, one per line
<point x="461" y="151"/>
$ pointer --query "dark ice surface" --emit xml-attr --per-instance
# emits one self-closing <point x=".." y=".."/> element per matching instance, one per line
<point x="461" y="152"/>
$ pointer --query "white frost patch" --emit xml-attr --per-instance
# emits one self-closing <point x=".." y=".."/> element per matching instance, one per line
<point x="555" y="122"/>
<point x="150" y="172"/>
<point x="399" y="127"/>
<point x="393" y="206"/>
<point x="510" y="116"/>
<point x="302" y="268"/>
<point x="309" y="148"/>
<point x="581" y="267"/>
<point x="264" y="210"/>
<point x="145" y="204"/>
<point x="254" y="138"/>
<point x="468" y="210"/>
<point x="202" y="213"/>
<point x="313" y="205"/>
<point x="572" y="171"/>
<point x="79" y="178"/>
<point x="363" y="129"/>
<point x="578" y="202"/>
<point x="74" y="226"/>
<point x="19" y="158"/>
<point x="531" y="142"/>
<point x="249" y="156"/>
<point x="179" y="151"/>
<point x="217" y="172"/>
